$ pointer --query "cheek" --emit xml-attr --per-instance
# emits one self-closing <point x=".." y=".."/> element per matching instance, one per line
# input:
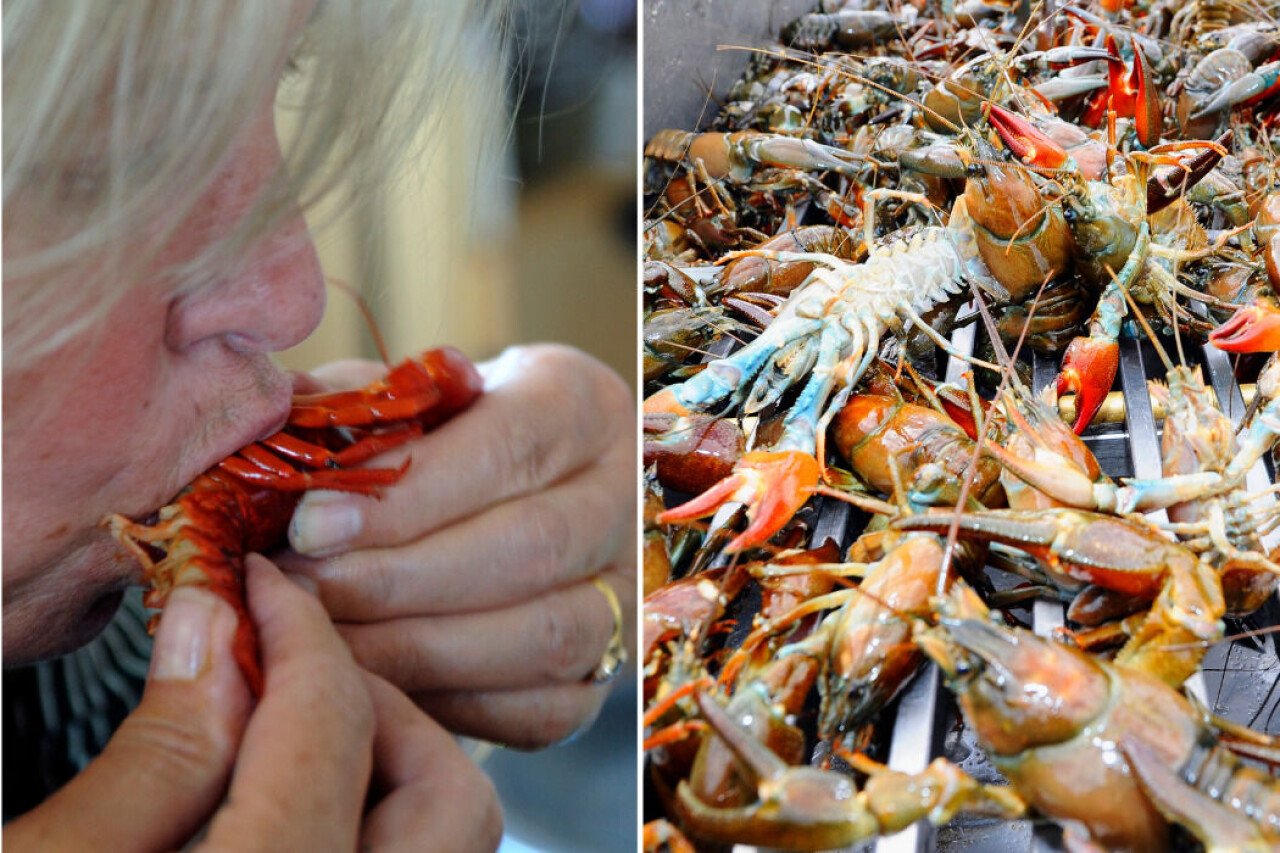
<point x="79" y="436"/>
<point x="80" y="410"/>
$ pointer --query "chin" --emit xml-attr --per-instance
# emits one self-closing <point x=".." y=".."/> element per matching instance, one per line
<point x="32" y="635"/>
<point x="57" y="601"/>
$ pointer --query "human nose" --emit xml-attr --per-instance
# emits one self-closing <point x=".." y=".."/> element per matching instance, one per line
<point x="274" y="297"/>
<point x="270" y="302"/>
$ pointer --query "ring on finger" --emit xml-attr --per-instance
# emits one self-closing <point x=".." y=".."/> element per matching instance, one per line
<point x="615" y="654"/>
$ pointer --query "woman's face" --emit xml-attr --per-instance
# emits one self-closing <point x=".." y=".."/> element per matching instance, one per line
<point x="120" y="421"/>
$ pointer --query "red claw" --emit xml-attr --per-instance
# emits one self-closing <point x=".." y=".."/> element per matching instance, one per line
<point x="961" y="413"/>
<point x="773" y="485"/>
<point x="1148" y="118"/>
<point x="1253" y="328"/>
<point x="1088" y="369"/>
<point x="1025" y="140"/>
<point x="1129" y="94"/>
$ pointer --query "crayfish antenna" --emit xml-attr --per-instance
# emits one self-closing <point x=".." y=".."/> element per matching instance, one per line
<point x="367" y="313"/>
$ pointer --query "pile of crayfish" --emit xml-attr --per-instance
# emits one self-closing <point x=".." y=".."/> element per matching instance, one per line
<point x="245" y="502"/>
<point x="1061" y="177"/>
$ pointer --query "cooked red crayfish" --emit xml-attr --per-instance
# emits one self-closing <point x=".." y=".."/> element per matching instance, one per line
<point x="245" y="502"/>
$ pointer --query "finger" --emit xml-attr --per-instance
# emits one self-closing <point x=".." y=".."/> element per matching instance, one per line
<point x="557" y="638"/>
<point x="522" y="719"/>
<point x="165" y="769"/>
<point x="303" y="769"/>
<point x="512" y="552"/>
<point x="510" y="442"/>
<point x="436" y="797"/>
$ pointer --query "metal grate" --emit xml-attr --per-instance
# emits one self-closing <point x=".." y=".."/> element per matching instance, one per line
<point x="925" y="714"/>
<point x="1239" y="680"/>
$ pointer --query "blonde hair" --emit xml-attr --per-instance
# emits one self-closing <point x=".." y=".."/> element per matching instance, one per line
<point x="119" y="115"/>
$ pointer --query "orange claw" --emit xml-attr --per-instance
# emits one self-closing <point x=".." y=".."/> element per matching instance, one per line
<point x="1253" y="328"/>
<point x="1088" y="368"/>
<point x="1025" y="140"/>
<point x="664" y="402"/>
<point x="773" y="484"/>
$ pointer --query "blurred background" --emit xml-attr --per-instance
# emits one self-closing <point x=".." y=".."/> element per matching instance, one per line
<point x="540" y="245"/>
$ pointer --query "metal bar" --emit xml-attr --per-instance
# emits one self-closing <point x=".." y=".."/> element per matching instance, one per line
<point x="917" y="728"/>
<point x="917" y="737"/>
<point x="832" y="523"/>
<point x="1046" y="616"/>
<point x="1139" y="419"/>
<point x="1231" y="399"/>
<point x="1112" y="409"/>
<point x="962" y="339"/>
<point x="1222" y="378"/>
<point x="1144" y="448"/>
<point x="1043" y="372"/>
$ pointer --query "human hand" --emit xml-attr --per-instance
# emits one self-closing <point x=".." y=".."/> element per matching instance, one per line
<point x="424" y="786"/>
<point x="468" y="583"/>
<point x="298" y="764"/>
<point x="166" y="767"/>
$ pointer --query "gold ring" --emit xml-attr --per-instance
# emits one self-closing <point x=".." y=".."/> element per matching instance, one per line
<point x="615" y="654"/>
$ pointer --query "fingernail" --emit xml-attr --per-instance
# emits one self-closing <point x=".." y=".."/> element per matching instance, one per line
<point x="322" y="525"/>
<point x="181" y="649"/>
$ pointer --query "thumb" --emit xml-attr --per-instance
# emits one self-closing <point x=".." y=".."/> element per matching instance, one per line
<point x="165" y="770"/>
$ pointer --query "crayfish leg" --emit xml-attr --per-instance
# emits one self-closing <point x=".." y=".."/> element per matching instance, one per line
<point x="372" y="445"/>
<point x="293" y="448"/>
<point x="131" y="534"/>
<point x="1217" y="826"/>
<point x="361" y="480"/>
<point x="368" y="408"/>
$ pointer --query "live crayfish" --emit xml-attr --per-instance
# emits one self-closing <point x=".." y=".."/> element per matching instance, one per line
<point x="245" y="502"/>
<point x="1119" y="761"/>
<point x="1032" y="164"/>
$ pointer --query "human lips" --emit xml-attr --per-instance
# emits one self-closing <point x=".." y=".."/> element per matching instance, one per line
<point x="264" y="420"/>
<point x="252" y="422"/>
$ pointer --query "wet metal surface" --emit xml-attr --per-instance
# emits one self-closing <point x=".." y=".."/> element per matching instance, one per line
<point x="685" y="72"/>
<point x="1240" y="679"/>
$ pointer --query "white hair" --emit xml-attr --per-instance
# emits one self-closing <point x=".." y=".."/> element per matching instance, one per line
<point x="120" y="114"/>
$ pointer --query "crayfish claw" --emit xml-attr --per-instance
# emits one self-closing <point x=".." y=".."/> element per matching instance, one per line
<point x="1088" y="369"/>
<point x="1025" y="140"/>
<point x="773" y="485"/>
<point x="1253" y="328"/>
<point x="798" y="807"/>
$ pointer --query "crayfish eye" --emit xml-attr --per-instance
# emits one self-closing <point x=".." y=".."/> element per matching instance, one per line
<point x="1069" y="214"/>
